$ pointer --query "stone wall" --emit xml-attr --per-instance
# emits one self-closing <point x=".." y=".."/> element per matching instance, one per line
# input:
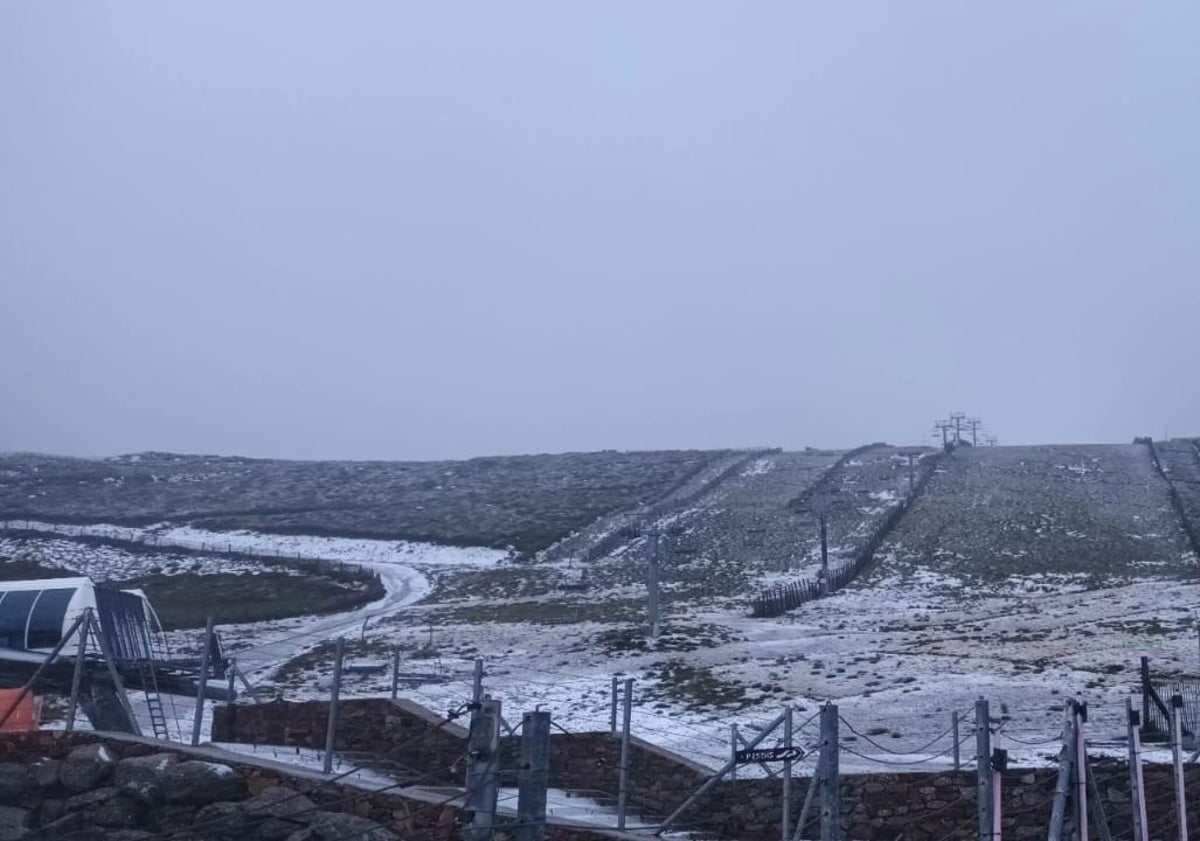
<point x="912" y="806"/>
<point x="106" y="787"/>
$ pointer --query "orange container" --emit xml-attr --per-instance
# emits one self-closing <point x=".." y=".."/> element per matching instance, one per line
<point x="24" y="718"/>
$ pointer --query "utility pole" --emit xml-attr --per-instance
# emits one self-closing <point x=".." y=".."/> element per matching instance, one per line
<point x="652" y="585"/>
<point x="957" y="419"/>
<point x="983" y="768"/>
<point x="944" y="427"/>
<point x="533" y="777"/>
<point x="483" y="772"/>
<point x="203" y="682"/>
<point x="334" y="693"/>
<point x="974" y="424"/>
<point x="831" y="808"/>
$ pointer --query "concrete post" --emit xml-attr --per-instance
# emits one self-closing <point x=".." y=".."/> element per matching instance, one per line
<point x="623" y="780"/>
<point x="483" y="772"/>
<point x="831" y="806"/>
<point x="334" y="693"/>
<point x="983" y="768"/>
<point x="533" y="776"/>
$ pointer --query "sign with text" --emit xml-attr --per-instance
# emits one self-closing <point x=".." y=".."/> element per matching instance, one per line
<point x="745" y="757"/>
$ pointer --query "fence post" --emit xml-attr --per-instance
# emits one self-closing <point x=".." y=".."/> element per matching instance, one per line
<point x="1177" y="760"/>
<point x="786" y="806"/>
<point x="983" y="769"/>
<point x="533" y="776"/>
<point x="334" y="692"/>
<point x="623" y="780"/>
<point x="1137" y="788"/>
<point x="831" y="807"/>
<point x="957" y="741"/>
<point x="1081" y="771"/>
<point x="477" y="681"/>
<point x="483" y="772"/>
<point x="202" y="685"/>
<point x="395" y="671"/>
<point x="999" y="763"/>
<point x="733" y="747"/>
<point x="612" y="712"/>
<point x="231" y="674"/>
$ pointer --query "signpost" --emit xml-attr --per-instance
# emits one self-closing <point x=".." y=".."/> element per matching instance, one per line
<point x="757" y="755"/>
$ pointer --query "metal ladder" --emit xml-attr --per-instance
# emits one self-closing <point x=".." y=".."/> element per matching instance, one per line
<point x="149" y="680"/>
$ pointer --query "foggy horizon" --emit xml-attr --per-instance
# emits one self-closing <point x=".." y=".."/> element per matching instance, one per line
<point x="424" y="233"/>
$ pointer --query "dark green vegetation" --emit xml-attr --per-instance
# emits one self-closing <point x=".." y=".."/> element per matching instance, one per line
<point x="23" y="570"/>
<point x="1091" y="515"/>
<point x="524" y="501"/>
<point x="185" y="601"/>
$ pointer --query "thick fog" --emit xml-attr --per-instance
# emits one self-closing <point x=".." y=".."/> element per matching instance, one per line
<point x="423" y="230"/>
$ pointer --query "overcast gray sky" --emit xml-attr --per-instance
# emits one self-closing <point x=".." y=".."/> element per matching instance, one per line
<point x="427" y="229"/>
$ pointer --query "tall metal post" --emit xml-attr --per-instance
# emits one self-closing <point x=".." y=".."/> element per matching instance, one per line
<point x="623" y="780"/>
<point x="983" y="768"/>
<point x="77" y="673"/>
<point x="334" y="695"/>
<point x="831" y="804"/>
<point x="483" y="772"/>
<point x="957" y="740"/>
<point x="395" y="672"/>
<point x="1062" y="785"/>
<point x="652" y="585"/>
<point x="533" y="777"/>
<point x="785" y="809"/>
<point x="999" y="763"/>
<point x="477" y="682"/>
<point x="1081" y="793"/>
<point x="1138" y="787"/>
<point x="202" y="684"/>
<point x="1177" y="760"/>
<point x="612" y="712"/>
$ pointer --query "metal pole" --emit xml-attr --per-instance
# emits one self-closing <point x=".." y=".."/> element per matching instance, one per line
<point x="1081" y="771"/>
<point x="712" y="781"/>
<point x="652" y="586"/>
<point x="786" y="807"/>
<point x="483" y="772"/>
<point x="1141" y="779"/>
<point x="334" y="693"/>
<point x="612" y="712"/>
<point x="1177" y="759"/>
<point x="77" y="674"/>
<point x="999" y="763"/>
<point x="1135" y="795"/>
<point x="202" y="684"/>
<point x="983" y="769"/>
<point x="533" y="777"/>
<point x="623" y="779"/>
<point x="809" y="796"/>
<point x="477" y="683"/>
<point x="231" y="674"/>
<point x="1062" y="785"/>
<point x="395" y="672"/>
<point x="831" y="808"/>
<point x="733" y="743"/>
<point x="1099" y="817"/>
<point x="250" y="690"/>
<point x="957" y="740"/>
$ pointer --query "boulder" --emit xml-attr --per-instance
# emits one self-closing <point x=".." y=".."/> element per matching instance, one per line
<point x="86" y="767"/>
<point x="338" y="826"/>
<point x="220" y="822"/>
<point x="200" y="783"/>
<point x="15" y="782"/>
<point x="142" y="776"/>
<point x="45" y="773"/>
<point x="14" y="823"/>
<point x="56" y="829"/>
<point x="277" y="812"/>
<point x="108" y="807"/>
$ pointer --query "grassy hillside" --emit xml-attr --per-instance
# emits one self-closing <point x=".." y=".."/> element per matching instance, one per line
<point x="524" y="501"/>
